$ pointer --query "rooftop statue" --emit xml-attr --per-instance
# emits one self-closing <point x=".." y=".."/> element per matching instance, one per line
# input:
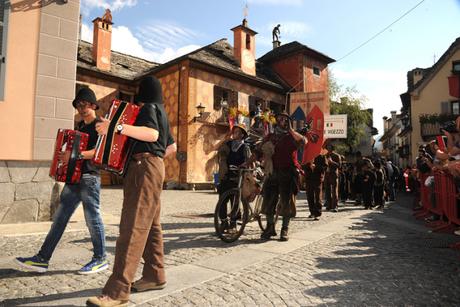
<point x="276" y="33"/>
<point x="107" y="16"/>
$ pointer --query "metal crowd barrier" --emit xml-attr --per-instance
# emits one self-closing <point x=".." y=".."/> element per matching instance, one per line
<point x="444" y="204"/>
<point x="424" y="198"/>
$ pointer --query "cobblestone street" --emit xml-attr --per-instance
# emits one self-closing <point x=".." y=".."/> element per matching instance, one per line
<point x="354" y="257"/>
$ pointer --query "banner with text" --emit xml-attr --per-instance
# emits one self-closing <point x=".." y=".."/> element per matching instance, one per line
<point x="335" y="126"/>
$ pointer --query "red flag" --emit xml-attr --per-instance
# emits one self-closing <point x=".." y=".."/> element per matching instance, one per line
<point x="315" y="136"/>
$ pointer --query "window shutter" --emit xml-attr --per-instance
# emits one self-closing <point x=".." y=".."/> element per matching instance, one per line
<point x="217" y="98"/>
<point x="445" y="107"/>
<point x="234" y="99"/>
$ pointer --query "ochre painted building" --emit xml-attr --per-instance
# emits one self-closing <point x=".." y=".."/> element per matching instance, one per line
<point x="429" y="94"/>
<point x="217" y="77"/>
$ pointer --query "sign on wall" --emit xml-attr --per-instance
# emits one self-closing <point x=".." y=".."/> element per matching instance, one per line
<point x="335" y="126"/>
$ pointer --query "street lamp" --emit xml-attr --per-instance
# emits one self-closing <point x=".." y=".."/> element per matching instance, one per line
<point x="200" y="109"/>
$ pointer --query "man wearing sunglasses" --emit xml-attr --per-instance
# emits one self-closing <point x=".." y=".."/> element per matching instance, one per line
<point x="86" y="191"/>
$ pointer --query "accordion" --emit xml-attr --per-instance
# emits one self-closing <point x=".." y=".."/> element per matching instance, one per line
<point x="112" y="149"/>
<point x="69" y="144"/>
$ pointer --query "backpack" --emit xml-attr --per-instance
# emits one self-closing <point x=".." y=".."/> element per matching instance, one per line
<point x="380" y="177"/>
<point x="396" y="172"/>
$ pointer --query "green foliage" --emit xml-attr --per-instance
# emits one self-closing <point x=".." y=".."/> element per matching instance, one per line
<point x="349" y="101"/>
<point x="436" y="118"/>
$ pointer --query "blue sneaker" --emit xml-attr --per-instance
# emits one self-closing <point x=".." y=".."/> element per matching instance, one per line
<point x="94" y="266"/>
<point x="35" y="263"/>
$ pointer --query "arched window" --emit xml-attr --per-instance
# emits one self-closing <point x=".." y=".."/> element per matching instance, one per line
<point x="248" y="41"/>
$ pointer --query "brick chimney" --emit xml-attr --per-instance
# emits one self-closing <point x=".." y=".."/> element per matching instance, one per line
<point x="102" y="40"/>
<point x="393" y="117"/>
<point x="244" y="47"/>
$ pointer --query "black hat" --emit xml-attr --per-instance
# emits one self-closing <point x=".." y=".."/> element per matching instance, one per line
<point x="85" y="94"/>
<point x="242" y="126"/>
<point x="149" y="91"/>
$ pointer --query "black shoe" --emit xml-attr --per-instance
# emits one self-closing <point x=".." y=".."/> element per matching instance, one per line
<point x="284" y="235"/>
<point x="310" y="216"/>
<point x="268" y="232"/>
<point x="316" y="218"/>
<point x="224" y="226"/>
<point x="335" y="210"/>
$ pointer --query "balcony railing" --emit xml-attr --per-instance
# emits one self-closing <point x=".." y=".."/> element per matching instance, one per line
<point x="429" y="129"/>
<point x="430" y="124"/>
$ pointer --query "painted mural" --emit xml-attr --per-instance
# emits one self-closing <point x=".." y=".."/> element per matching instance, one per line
<point x="207" y="134"/>
<point x="170" y="88"/>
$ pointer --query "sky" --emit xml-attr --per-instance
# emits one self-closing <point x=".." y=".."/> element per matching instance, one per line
<point x="160" y="30"/>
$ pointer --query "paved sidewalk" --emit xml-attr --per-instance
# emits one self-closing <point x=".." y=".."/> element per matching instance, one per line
<point x="354" y="257"/>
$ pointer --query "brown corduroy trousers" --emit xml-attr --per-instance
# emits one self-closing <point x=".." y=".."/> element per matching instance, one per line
<point x="140" y="229"/>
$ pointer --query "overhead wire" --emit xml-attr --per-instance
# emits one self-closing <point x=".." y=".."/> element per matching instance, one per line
<point x="381" y="31"/>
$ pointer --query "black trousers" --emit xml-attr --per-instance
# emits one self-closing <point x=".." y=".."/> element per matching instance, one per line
<point x="313" y="190"/>
<point x="367" y="197"/>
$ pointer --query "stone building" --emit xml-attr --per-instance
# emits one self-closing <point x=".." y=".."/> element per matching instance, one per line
<point x="391" y="140"/>
<point x="38" y="45"/>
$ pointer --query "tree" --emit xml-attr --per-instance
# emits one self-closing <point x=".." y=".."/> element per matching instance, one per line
<point x="349" y="101"/>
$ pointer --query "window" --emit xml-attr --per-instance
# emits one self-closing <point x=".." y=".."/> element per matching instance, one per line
<point x="455" y="107"/>
<point x="256" y="105"/>
<point x="316" y="71"/>
<point x="248" y="41"/>
<point x="224" y="96"/>
<point x="4" y="13"/>
<point x="456" y="67"/>
<point x="223" y="100"/>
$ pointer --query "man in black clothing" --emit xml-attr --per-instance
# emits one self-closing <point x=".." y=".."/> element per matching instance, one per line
<point x="140" y="229"/>
<point x="86" y="191"/>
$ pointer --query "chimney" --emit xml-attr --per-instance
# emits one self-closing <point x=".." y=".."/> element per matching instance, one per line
<point x="417" y="75"/>
<point x="102" y="40"/>
<point x="385" y="124"/>
<point x="393" y="117"/>
<point x="244" y="47"/>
